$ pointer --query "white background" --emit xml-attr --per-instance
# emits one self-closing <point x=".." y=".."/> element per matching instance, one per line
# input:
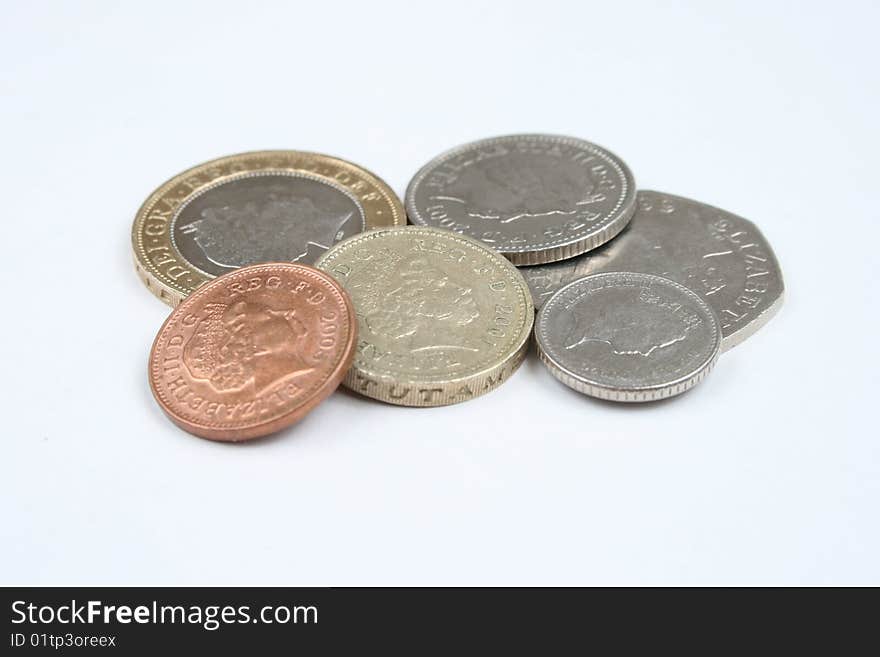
<point x="767" y="473"/>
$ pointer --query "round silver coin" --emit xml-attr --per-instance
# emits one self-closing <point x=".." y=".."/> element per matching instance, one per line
<point x="722" y="257"/>
<point x="533" y="198"/>
<point x="627" y="337"/>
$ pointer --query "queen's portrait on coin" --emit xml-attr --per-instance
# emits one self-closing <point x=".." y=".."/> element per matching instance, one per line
<point x="243" y="344"/>
<point x="275" y="228"/>
<point x="516" y="187"/>
<point x="417" y="303"/>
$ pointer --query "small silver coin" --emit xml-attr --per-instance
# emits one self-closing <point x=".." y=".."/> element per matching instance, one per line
<point x="722" y="257"/>
<point x="533" y="198"/>
<point x="627" y="337"/>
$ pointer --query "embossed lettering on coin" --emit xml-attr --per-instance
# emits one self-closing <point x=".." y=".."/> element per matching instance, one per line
<point x="720" y="256"/>
<point x="534" y="198"/>
<point x="442" y="317"/>
<point x="253" y="351"/>
<point x="270" y="206"/>
<point x="627" y="336"/>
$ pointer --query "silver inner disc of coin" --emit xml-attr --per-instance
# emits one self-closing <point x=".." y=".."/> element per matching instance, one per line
<point x="614" y="333"/>
<point x="525" y="193"/>
<point x="272" y="216"/>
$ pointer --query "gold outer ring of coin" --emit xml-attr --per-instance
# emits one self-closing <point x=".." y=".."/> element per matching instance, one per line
<point x="509" y="316"/>
<point x="169" y="276"/>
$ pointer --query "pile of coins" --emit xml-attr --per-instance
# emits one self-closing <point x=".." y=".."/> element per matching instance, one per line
<point x="293" y="272"/>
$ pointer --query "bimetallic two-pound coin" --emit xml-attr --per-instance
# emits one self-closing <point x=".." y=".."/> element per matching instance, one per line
<point x="534" y="198"/>
<point x="442" y="318"/>
<point x="722" y="257"/>
<point x="253" y="351"/>
<point x="267" y="206"/>
<point x="627" y="337"/>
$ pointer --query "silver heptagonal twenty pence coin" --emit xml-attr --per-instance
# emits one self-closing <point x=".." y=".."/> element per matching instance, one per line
<point x="627" y="337"/>
<point x="722" y="257"/>
<point x="533" y="198"/>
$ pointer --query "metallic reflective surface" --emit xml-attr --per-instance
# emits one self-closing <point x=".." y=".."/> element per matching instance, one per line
<point x="253" y="207"/>
<point x="442" y="318"/>
<point x="534" y="198"/>
<point x="627" y="337"/>
<point x="264" y="218"/>
<point x="720" y="256"/>
<point x="253" y="351"/>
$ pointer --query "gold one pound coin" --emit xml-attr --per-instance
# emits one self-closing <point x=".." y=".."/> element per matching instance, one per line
<point x="442" y="318"/>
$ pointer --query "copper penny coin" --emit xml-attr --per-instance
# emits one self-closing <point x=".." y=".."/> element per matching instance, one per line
<point x="253" y="351"/>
